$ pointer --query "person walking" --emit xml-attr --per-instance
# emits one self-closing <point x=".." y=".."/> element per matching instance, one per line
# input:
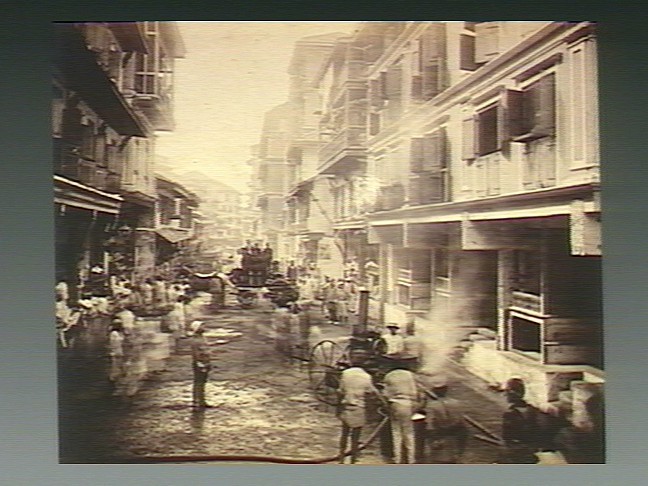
<point x="201" y="364"/>
<point x="401" y="392"/>
<point x="355" y="385"/>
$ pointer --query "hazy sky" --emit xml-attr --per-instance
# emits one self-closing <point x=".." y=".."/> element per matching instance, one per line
<point x="232" y="74"/>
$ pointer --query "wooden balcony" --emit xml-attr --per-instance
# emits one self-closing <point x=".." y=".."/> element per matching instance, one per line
<point x="348" y="143"/>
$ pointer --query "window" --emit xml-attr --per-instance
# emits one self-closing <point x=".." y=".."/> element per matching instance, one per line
<point x="403" y="294"/>
<point x="527" y="270"/>
<point x="429" y="164"/>
<point x="525" y="335"/>
<point x="374" y="123"/>
<point x="441" y="263"/>
<point x="532" y="113"/>
<point x="432" y="54"/>
<point x="488" y="139"/>
<point x="88" y="141"/>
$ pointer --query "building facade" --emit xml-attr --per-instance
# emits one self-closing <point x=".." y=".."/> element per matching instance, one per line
<point x="462" y="169"/>
<point x="111" y="93"/>
<point x="175" y="223"/>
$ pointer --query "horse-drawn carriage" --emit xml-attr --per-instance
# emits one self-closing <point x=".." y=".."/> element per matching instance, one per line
<point x="257" y="271"/>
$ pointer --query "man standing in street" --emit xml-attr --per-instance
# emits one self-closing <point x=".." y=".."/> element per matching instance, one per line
<point x="355" y="384"/>
<point x="401" y="392"/>
<point x="201" y="364"/>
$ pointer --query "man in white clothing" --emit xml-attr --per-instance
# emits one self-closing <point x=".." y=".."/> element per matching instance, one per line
<point x="355" y="384"/>
<point x="401" y="392"/>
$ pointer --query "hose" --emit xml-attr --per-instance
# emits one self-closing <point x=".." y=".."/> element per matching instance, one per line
<point x="253" y="458"/>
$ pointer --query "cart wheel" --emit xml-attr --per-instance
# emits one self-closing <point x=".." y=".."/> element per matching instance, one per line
<point x="324" y="370"/>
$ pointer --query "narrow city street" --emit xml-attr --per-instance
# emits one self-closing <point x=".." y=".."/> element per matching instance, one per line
<point x="262" y="404"/>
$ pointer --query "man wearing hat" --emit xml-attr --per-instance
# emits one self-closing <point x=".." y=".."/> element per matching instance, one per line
<point x="201" y="364"/>
<point x="393" y="341"/>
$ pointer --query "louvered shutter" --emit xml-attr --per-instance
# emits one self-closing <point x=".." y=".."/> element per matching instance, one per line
<point x="417" y="154"/>
<point x="383" y="85"/>
<point x="393" y="80"/>
<point x="432" y="60"/>
<point x="432" y="188"/>
<point x="413" y="195"/>
<point x="515" y="113"/>
<point x="545" y="107"/>
<point x="468" y="138"/>
<point x="434" y="151"/>
<point x="467" y="52"/>
<point x="417" y="87"/>
<point x="375" y="93"/>
<point x="487" y="41"/>
<point x="432" y="78"/>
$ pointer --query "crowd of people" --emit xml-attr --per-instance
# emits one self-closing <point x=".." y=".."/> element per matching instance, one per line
<point x="133" y="326"/>
<point x="426" y="424"/>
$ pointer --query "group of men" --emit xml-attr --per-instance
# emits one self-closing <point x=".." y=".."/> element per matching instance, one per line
<point x="422" y="417"/>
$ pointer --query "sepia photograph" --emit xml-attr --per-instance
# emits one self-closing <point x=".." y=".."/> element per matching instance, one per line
<point x="328" y="242"/>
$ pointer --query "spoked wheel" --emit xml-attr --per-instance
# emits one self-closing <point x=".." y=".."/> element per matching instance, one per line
<point x="324" y="370"/>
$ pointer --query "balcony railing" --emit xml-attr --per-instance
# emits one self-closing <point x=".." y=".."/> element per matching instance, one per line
<point x="348" y="138"/>
<point x="89" y="173"/>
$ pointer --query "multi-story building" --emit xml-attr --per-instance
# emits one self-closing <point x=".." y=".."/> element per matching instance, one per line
<point x="463" y="168"/>
<point x="175" y="221"/>
<point x="489" y="218"/>
<point x="111" y="93"/>
<point x="271" y="173"/>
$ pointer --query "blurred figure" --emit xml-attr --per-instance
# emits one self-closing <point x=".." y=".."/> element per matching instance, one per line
<point x="519" y="426"/>
<point x="201" y="364"/>
<point x="146" y="292"/>
<point x="116" y="353"/>
<point x="445" y="424"/>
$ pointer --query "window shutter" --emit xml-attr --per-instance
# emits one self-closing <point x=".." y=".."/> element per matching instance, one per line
<point x="417" y="87"/>
<point x="432" y="78"/>
<point x="432" y="188"/>
<point x="515" y="108"/>
<point x="383" y="85"/>
<point x="417" y="154"/>
<point x="432" y="60"/>
<point x="375" y="93"/>
<point x="468" y="138"/>
<point x="72" y="128"/>
<point x="467" y="52"/>
<point x="416" y="57"/>
<point x="414" y="196"/>
<point x="431" y="43"/>
<point x="393" y="82"/>
<point x="503" y="136"/>
<point x="487" y="41"/>
<point x="545" y="107"/>
<point x="434" y="151"/>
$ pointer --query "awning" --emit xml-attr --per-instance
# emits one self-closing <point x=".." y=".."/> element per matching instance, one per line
<point x="173" y="235"/>
<point x="74" y="194"/>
